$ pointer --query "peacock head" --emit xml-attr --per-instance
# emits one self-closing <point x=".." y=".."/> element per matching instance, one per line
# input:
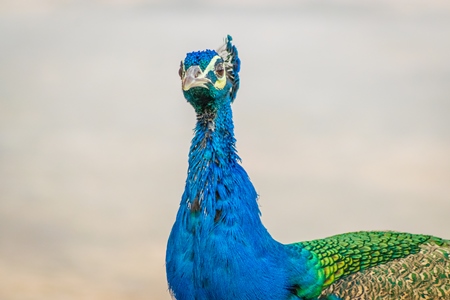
<point x="210" y="78"/>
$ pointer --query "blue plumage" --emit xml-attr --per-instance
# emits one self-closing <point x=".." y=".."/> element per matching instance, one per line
<point x="218" y="241"/>
<point x="218" y="247"/>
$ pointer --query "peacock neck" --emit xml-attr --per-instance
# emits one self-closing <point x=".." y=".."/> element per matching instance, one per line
<point x="218" y="190"/>
<point x="214" y="141"/>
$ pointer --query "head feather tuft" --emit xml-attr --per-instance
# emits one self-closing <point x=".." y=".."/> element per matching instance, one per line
<point x="232" y="63"/>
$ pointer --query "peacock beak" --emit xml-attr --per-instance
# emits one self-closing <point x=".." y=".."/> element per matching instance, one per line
<point x="194" y="77"/>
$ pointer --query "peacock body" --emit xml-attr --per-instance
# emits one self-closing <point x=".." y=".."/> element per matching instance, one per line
<point x="219" y="249"/>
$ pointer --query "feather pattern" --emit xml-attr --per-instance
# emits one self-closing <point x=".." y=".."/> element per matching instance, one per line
<point x="383" y="265"/>
<point x="424" y="275"/>
<point x="219" y="249"/>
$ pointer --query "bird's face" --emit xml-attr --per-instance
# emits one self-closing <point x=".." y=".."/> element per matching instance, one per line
<point x="204" y="79"/>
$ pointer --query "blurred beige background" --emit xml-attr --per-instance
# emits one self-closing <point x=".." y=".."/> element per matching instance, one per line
<point x="342" y="121"/>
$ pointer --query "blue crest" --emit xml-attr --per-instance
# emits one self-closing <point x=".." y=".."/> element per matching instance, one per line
<point x="199" y="58"/>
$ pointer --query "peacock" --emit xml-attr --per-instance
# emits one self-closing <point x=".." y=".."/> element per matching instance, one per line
<point x="219" y="249"/>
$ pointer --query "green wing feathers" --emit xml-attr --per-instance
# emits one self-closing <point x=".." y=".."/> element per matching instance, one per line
<point x="348" y="253"/>
<point x="383" y="265"/>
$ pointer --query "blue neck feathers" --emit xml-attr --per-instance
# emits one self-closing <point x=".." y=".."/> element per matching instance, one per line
<point x="218" y="244"/>
<point x="217" y="188"/>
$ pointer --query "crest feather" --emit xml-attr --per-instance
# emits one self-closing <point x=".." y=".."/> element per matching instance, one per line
<point x="232" y="63"/>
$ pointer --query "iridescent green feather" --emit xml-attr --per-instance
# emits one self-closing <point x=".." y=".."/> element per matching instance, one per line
<point x="383" y="265"/>
<point x="425" y="275"/>
<point x="348" y="253"/>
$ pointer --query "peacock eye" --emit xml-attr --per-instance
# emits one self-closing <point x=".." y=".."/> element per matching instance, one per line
<point x="180" y="71"/>
<point x="219" y="70"/>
